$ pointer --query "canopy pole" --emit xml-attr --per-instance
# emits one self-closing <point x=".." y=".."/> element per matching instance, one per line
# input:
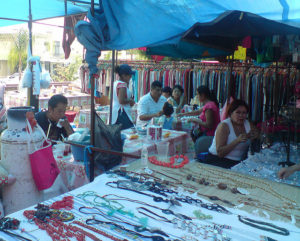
<point x="31" y="99"/>
<point x="92" y="140"/>
<point x="230" y="83"/>
<point x="112" y="84"/>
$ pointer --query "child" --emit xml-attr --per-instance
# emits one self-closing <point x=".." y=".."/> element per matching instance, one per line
<point x="167" y="92"/>
<point x="167" y="120"/>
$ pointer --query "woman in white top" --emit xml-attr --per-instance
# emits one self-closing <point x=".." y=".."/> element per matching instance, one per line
<point x="122" y="97"/>
<point x="232" y="137"/>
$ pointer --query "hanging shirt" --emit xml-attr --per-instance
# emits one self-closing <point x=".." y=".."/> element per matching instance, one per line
<point x="116" y="104"/>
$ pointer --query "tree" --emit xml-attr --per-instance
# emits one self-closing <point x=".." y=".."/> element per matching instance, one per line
<point x="18" y="54"/>
<point x="66" y="73"/>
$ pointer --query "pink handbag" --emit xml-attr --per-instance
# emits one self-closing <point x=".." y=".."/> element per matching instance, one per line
<point x="43" y="164"/>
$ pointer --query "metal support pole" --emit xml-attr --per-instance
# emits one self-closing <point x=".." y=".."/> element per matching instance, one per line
<point x="92" y="140"/>
<point x="31" y="99"/>
<point x="112" y="84"/>
<point x="276" y="92"/>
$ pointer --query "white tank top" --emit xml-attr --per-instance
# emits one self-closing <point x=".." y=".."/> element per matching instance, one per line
<point x="240" y="149"/>
<point x="116" y="104"/>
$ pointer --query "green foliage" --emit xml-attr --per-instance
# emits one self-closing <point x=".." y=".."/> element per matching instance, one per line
<point x="18" y="54"/>
<point x="66" y="73"/>
<point x="107" y="55"/>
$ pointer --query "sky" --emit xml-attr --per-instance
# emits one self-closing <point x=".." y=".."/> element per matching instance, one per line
<point x="38" y="28"/>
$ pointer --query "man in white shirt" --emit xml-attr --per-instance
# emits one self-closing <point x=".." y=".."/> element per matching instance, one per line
<point x="151" y="104"/>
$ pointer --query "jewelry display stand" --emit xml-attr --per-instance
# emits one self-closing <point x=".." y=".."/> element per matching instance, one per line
<point x="291" y="115"/>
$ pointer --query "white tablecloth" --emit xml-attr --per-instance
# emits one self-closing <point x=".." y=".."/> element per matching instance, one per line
<point x="239" y="230"/>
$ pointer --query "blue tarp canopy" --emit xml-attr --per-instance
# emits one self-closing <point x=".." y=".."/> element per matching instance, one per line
<point x="222" y="35"/>
<point x="152" y="23"/>
<point x="18" y="10"/>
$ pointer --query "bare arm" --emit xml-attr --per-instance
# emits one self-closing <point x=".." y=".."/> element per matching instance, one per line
<point x="122" y="97"/>
<point x="208" y="124"/>
<point x="192" y="113"/>
<point x="181" y="104"/>
<point x="150" y="116"/>
<point x="222" y="134"/>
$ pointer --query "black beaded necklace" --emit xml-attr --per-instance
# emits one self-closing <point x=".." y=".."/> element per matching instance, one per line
<point x="256" y="224"/>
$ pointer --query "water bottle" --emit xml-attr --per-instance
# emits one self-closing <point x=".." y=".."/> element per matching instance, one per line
<point x="144" y="157"/>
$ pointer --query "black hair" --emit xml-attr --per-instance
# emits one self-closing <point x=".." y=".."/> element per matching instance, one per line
<point x="117" y="69"/>
<point x="236" y="104"/>
<point x="56" y="99"/>
<point x="179" y="87"/>
<point x="156" y="84"/>
<point x="168" y="90"/>
<point x="208" y="93"/>
<point x="168" y="109"/>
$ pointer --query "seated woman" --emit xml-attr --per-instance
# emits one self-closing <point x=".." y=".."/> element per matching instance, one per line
<point x="177" y="98"/>
<point x="232" y="138"/>
<point x="209" y="118"/>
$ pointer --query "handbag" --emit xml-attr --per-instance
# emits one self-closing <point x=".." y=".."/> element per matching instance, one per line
<point x="44" y="168"/>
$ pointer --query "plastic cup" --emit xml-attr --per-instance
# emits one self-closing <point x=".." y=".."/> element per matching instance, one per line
<point x="162" y="151"/>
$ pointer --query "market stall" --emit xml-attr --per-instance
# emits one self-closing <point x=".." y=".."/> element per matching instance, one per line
<point x="164" y="203"/>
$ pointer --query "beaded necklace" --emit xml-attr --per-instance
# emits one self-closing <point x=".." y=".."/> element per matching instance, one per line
<point x="171" y="164"/>
<point x="165" y="211"/>
<point x="139" y="228"/>
<point x="153" y="237"/>
<point x="264" y="226"/>
<point x="205" y="231"/>
<point x="57" y="230"/>
<point x="144" y="178"/>
<point x="111" y="205"/>
<point x="248" y="201"/>
<point x="112" y="237"/>
<point x="269" y="189"/>
<point x="288" y="202"/>
<point x="184" y="199"/>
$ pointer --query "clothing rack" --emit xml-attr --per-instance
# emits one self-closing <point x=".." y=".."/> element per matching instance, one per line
<point x="247" y="81"/>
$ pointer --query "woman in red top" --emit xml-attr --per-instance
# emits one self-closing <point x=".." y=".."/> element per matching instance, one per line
<point x="208" y="120"/>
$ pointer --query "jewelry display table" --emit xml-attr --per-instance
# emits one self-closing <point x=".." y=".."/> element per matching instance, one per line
<point x="169" y="204"/>
<point x="265" y="164"/>
<point x="73" y="173"/>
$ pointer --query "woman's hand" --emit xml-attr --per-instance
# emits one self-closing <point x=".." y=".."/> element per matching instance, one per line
<point x="253" y="134"/>
<point x="285" y="172"/>
<point x="242" y="138"/>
